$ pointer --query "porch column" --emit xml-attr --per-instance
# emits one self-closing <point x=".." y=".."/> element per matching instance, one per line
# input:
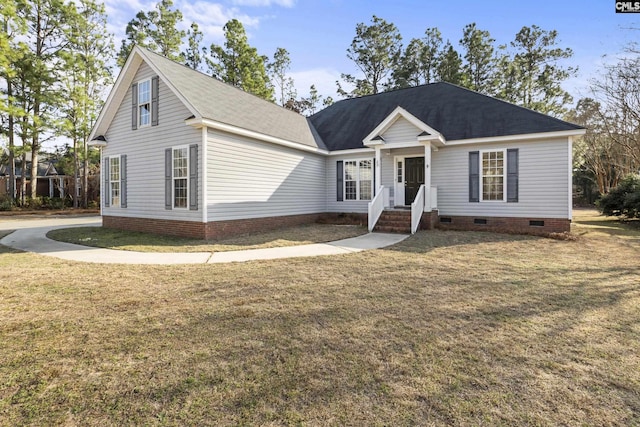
<point x="427" y="177"/>
<point x="378" y="171"/>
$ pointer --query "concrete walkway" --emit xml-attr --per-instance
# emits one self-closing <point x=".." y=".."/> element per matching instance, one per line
<point x="30" y="236"/>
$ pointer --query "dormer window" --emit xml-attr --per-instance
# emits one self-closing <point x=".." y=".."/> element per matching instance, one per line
<point x="144" y="103"/>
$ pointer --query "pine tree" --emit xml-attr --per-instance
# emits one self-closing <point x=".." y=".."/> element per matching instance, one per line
<point x="278" y="70"/>
<point x="156" y="30"/>
<point x="48" y="22"/>
<point x="375" y="50"/>
<point x="84" y="81"/>
<point x="531" y="77"/>
<point x="418" y="63"/>
<point x="449" y="68"/>
<point x="195" y="53"/>
<point x="479" y="60"/>
<point x="238" y="63"/>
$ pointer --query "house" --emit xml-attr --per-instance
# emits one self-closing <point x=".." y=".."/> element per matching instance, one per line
<point x="185" y="154"/>
<point x="50" y="183"/>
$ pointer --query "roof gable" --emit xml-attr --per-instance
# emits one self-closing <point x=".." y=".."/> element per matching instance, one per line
<point x="397" y="116"/>
<point x="210" y="99"/>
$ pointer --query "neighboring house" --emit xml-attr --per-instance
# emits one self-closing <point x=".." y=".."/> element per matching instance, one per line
<point x="186" y="154"/>
<point x="50" y="183"/>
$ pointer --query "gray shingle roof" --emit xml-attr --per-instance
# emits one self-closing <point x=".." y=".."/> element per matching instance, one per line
<point x="218" y="101"/>
<point x="455" y="112"/>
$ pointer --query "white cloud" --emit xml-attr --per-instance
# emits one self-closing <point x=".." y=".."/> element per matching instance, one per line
<point x="323" y="78"/>
<point x="211" y="17"/>
<point x="264" y="3"/>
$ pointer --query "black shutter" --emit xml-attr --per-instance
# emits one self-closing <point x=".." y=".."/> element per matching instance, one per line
<point x="154" y="101"/>
<point x="106" y="190"/>
<point x="193" y="177"/>
<point x="474" y="176"/>
<point x="123" y="181"/>
<point x="340" y="180"/>
<point x="512" y="175"/>
<point x="168" y="197"/>
<point x="134" y="106"/>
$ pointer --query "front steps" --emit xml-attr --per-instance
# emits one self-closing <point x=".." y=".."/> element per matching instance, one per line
<point x="394" y="221"/>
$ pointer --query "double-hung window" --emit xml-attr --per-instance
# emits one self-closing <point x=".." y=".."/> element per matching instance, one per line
<point x="144" y="103"/>
<point x="180" y="177"/>
<point x="114" y="180"/>
<point x="358" y="179"/>
<point x="493" y="175"/>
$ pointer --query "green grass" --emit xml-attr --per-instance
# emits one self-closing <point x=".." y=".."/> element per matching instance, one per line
<point x="445" y="328"/>
<point x="145" y="242"/>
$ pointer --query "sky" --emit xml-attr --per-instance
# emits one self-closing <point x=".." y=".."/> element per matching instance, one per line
<point x="317" y="33"/>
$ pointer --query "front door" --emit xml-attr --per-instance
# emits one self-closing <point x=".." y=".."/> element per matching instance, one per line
<point x="413" y="177"/>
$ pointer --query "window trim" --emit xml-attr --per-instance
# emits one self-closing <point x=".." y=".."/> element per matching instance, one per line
<point x="149" y="103"/>
<point x="357" y="180"/>
<point x="186" y="177"/>
<point x="119" y="181"/>
<point x="504" y="175"/>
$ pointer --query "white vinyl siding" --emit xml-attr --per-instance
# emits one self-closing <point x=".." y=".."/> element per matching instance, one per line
<point x="543" y="177"/>
<point x="254" y="179"/>
<point x="401" y="131"/>
<point x="145" y="150"/>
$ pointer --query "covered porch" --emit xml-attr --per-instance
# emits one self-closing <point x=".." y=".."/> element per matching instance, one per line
<point x="403" y="155"/>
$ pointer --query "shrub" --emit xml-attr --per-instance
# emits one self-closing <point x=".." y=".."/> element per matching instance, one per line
<point x="623" y="200"/>
<point x="6" y="204"/>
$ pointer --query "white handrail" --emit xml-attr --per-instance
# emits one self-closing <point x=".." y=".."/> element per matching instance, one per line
<point x="417" y="208"/>
<point x="376" y="206"/>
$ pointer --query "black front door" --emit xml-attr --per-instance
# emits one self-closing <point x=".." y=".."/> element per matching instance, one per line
<point x="413" y="178"/>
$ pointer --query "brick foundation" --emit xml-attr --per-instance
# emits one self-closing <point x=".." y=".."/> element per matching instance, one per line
<point x="192" y="229"/>
<point x="222" y="229"/>
<point x="429" y="220"/>
<point x="210" y="231"/>
<point x="504" y="224"/>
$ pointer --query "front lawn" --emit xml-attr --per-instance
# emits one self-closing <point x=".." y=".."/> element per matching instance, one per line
<point x="145" y="242"/>
<point x="445" y="328"/>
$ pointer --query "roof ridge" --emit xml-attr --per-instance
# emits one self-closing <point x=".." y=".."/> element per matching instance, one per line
<point x="217" y="80"/>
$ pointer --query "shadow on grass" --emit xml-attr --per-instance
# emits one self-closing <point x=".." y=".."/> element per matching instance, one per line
<point x="426" y="241"/>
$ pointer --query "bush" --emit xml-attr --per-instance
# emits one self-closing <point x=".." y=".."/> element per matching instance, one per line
<point x="6" y="204"/>
<point x="623" y="200"/>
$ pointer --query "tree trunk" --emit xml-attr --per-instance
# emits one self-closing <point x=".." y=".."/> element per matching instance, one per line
<point x="34" y="168"/>
<point x="76" y="174"/>
<point x="12" y="160"/>
<point x="85" y="178"/>
<point x="23" y="180"/>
